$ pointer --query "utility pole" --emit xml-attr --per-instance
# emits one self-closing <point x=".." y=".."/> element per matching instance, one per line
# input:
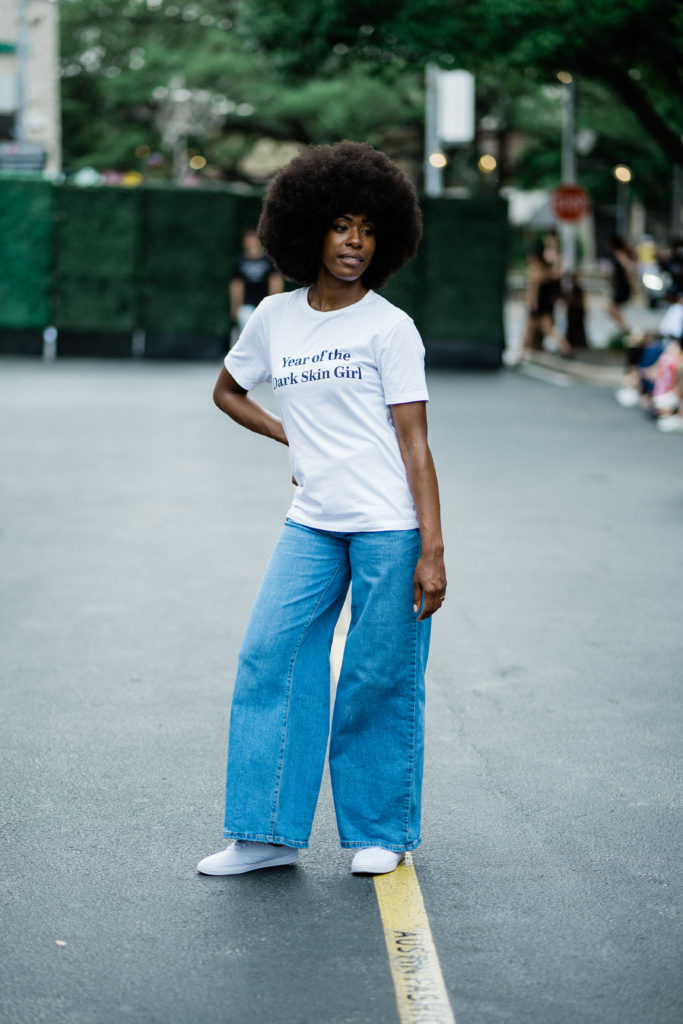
<point x="432" y="170"/>
<point x="568" y="231"/>
<point x="676" y="201"/>
<point x="22" y="60"/>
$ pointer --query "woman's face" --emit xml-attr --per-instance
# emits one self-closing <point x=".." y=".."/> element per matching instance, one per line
<point x="348" y="247"/>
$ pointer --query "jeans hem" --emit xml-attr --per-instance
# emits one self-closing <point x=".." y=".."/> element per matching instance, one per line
<point x="394" y="847"/>
<point x="256" y="837"/>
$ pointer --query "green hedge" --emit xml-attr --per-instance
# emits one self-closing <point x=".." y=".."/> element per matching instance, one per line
<point x="97" y="258"/>
<point x="26" y="234"/>
<point x="160" y="259"/>
<point x="454" y="288"/>
<point x="463" y="278"/>
<point x="186" y="262"/>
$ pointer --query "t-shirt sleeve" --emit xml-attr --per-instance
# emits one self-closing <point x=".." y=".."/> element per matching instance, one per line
<point x="401" y="363"/>
<point x="248" y="361"/>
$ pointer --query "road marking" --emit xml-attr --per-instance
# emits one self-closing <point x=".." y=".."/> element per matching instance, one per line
<point x="560" y="380"/>
<point x="421" y="995"/>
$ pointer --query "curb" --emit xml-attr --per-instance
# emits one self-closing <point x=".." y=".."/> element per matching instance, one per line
<point x="602" y="375"/>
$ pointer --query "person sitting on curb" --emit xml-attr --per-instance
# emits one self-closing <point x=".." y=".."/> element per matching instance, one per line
<point x="666" y="396"/>
<point x="643" y="352"/>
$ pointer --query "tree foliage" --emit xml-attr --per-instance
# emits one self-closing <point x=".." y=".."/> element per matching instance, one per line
<point x="126" y="62"/>
<point x="632" y="47"/>
<point x="320" y="70"/>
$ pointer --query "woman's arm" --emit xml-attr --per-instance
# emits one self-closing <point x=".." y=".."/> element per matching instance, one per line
<point x="429" y="581"/>
<point x="235" y="402"/>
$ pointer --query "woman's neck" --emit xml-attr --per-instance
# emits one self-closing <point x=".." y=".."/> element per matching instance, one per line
<point x="328" y="294"/>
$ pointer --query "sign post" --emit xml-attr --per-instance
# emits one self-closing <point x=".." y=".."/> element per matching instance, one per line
<point x="449" y="118"/>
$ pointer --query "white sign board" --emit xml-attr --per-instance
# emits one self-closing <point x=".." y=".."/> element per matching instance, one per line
<point x="8" y="92"/>
<point x="455" y="118"/>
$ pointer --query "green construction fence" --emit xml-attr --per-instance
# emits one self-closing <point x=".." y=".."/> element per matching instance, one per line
<point x="26" y="263"/>
<point x="146" y="271"/>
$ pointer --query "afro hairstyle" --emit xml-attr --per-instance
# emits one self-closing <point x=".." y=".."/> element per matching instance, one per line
<point x="322" y="183"/>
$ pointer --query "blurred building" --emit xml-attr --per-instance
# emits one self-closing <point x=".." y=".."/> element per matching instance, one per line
<point x="29" y="86"/>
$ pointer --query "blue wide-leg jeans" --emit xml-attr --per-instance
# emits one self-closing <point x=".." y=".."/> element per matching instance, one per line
<point x="280" y="718"/>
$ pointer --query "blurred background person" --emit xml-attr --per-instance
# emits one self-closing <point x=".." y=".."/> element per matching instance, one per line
<point x="543" y="290"/>
<point x="653" y="362"/>
<point x="575" y="302"/>
<point x="253" y="278"/>
<point x="552" y="254"/>
<point x="623" y="274"/>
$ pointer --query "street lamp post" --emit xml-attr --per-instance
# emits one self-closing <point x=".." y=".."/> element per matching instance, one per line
<point x="676" y="201"/>
<point x="623" y="176"/>
<point x="432" y="165"/>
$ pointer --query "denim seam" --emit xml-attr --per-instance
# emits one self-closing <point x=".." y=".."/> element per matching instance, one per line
<point x="289" y="692"/>
<point x="411" y="771"/>
<point x="363" y="844"/>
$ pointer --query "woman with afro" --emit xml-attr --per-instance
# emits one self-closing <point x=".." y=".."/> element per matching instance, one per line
<point x="347" y="369"/>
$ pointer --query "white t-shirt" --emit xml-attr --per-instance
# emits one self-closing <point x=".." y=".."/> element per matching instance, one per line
<point x="335" y="375"/>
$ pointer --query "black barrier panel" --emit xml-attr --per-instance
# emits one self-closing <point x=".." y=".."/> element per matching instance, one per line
<point x="25" y="253"/>
<point x="198" y="347"/>
<point x="404" y="288"/>
<point x="97" y="243"/>
<point x="462" y="270"/>
<point x="20" y="342"/>
<point x="94" y="344"/>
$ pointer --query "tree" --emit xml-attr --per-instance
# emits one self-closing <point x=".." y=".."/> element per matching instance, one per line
<point x="632" y="48"/>
<point x="135" y="73"/>
<point x="257" y="75"/>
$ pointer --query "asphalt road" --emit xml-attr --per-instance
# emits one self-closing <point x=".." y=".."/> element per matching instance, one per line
<point x="135" y="524"/>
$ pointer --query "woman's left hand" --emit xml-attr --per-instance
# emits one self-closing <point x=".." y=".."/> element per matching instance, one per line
<point x="429" y="585"/>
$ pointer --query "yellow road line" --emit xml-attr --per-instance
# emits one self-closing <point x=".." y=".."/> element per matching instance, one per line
<point x="421" y="995"/>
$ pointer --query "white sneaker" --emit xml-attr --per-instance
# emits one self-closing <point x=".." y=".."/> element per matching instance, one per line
<point x="373" y="860"/>
<point x="243" y="856"/>
<point x="670" y="424"/>
<point x="627" y="397"/>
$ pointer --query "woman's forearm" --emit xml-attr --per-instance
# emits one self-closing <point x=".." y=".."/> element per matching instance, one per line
<point x="429" y="580"/>
<point x="250" y="414"/>
<point x="234" y="401"/>
<point x="424" y="489"/>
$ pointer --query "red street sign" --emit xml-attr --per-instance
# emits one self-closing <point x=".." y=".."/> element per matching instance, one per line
<point x="570" y="202"/>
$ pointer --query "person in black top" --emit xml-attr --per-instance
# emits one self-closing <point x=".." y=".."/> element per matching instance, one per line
<point x="253" y="278"/>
